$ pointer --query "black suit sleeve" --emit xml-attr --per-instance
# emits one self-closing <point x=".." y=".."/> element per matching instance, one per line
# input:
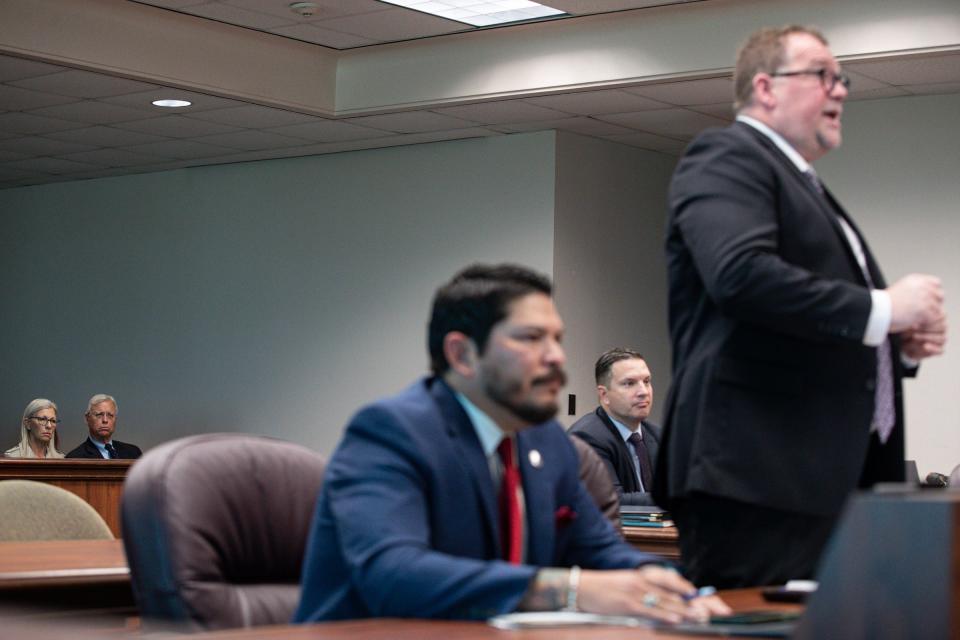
<point x="728" y="202"/>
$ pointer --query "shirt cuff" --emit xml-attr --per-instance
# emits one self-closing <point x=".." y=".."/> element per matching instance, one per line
<point x="878" y="324"/>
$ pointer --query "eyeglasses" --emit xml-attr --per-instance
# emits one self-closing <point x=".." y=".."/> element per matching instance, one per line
<point x="100" y="414"/>
<point x="828" y="79"/>
<point x="41" y="420"/>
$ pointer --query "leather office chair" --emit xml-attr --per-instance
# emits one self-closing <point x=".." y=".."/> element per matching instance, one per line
<point x="215" y="528"/>
<point x="31" y="510"/>
<point x="596" y="478"/>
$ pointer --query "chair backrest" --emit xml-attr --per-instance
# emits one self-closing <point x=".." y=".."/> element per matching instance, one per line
<point x="215" y="527"/>
<point x="31" y="510"/>
<point x="596" y="478"/>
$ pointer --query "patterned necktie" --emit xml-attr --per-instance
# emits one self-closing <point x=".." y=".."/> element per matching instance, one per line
<point x="646" y="476"/>
<point x="511" y="534"/>
<point x="110" y="450"/>
<point x="884" y="412"/>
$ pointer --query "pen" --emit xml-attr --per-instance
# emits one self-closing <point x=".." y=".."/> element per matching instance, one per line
<point x="700" y="593"/>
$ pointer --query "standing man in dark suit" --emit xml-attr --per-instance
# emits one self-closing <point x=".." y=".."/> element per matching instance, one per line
<point x="101" y="417"/>
<point x="788" y="346"/>
<point x="459" y="497"/>
<point x="618" y="429"/>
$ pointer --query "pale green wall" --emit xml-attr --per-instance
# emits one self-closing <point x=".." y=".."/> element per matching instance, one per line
<point x="271" y="297"/>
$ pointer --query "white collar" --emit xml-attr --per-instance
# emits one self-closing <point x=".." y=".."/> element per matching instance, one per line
<point x="778" y="140"/>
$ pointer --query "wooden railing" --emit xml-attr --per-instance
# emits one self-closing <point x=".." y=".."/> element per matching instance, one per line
<point x="98" y="482"/>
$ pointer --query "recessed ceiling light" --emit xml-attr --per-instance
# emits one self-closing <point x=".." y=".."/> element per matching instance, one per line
<point x="481" y="13"/>
<point x="172" y="104"/>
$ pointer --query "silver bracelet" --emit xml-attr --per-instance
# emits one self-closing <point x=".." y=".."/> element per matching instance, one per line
<point x="572" y="584"/>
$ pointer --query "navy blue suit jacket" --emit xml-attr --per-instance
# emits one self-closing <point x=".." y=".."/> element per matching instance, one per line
<point x="406" y="523"/>
<point x="597" y="430"/>
<point x="87" y="449"/>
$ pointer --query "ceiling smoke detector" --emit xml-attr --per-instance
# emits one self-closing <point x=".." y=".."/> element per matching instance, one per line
<point x="305" y="9"/>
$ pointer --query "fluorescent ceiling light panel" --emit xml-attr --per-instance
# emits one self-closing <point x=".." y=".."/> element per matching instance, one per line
<point x="481" y="13"/>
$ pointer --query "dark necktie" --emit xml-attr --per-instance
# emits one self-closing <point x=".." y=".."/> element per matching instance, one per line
<point x="511" y="533"/>
<point x="646" y="477"/>
<point x="110" y="450"/>
<point x="884" y="412"/>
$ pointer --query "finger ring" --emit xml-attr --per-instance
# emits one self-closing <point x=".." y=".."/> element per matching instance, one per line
<point x="650" y="600"/>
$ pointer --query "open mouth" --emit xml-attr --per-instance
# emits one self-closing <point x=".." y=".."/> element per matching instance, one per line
<point x="833" y="115"/>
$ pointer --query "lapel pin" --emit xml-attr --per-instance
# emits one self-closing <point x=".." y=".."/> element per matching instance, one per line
<point x="536" y="460"/>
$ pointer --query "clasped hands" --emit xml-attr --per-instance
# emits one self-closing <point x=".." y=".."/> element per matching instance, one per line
<point x="917" y="314"/>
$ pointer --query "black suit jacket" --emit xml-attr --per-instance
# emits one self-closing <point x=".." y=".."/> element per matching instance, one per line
<point x="597" y="430"/>
<point x="89" y="450"/>
<point x="773" y="389"/>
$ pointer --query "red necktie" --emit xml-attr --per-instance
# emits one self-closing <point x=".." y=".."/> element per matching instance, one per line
<point x="511" y="533"/>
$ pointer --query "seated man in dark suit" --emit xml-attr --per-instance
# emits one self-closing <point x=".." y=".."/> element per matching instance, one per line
<point x="459" y="497"/>
<point x="618" y="429"/>
<point x="101" y="417"/>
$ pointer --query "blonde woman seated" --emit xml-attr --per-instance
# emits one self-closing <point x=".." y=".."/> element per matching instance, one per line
<point x="38" y="432"/>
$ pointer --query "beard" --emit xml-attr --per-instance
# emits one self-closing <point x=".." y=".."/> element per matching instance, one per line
<point x="505" y="391"/>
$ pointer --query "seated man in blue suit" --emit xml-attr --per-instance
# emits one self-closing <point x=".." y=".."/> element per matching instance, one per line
<point x="459" y="497"/>
<point x="618" y="429"/>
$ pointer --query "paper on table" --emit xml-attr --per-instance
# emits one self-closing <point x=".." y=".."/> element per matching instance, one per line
<point x="539" y="619"/>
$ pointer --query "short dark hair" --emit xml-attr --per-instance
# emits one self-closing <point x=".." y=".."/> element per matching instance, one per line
<point x="763" y="52"/>
<point x="601" y="370"/>
<point x="474" y="301"/>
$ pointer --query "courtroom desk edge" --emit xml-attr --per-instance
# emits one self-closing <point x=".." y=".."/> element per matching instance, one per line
<point x="414" y="629"/>
<point x="63" y="469"/>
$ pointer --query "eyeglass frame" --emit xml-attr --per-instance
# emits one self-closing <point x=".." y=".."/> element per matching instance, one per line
<point x="835" y="77"/>
<point x="45" y="420"/>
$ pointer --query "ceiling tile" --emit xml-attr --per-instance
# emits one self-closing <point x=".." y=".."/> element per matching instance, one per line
<point x="686" y="92"/>
<point x="719" y="110"/>
<point x="328" y="131"/>
<point x="873" y="94"/>
<point x="412" y="122"/>
<point x="252" y="140"/>
<point x="394" y="24"/>
<point x="143" y="100"/>
<point x="326" y="9"/>
<point x="179" y="149"/>
<point x="82" y="84"/>
<point x="11" y="155"/>
<point x="112" y="158"/>
<point x="932" y="89"/>
<point x="175" y="127"/>
<point x="17" y="99"/>
<point x="51" y="165"/>
<point x="860" y="82"/>
<point x="502" y="112"/>
<point x="12" y="68"/>
<point x="917" y="70"/>
<point x="39" y="146"/>
<point x="651" y="142"/>
<point x="171" y="4"/>
<point x="325" y="37"/>
<point x="235" y="15"/>
<point x="27" y="123"/>
<point x="9" y="173"/>
<point x="586" y="7"/>
<point x="252" y="116"/>
<point x="590" y="103"/>
<point x="676" y="123"/>
<point x="93" y="112"/>
<point x="581" y="124"/>
<point x="105" y="137"/>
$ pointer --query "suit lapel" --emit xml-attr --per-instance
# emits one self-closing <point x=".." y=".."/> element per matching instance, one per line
<point x="537" y="496"/>
<point x="464" y="440"/>
<point x="824" y="202"/>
